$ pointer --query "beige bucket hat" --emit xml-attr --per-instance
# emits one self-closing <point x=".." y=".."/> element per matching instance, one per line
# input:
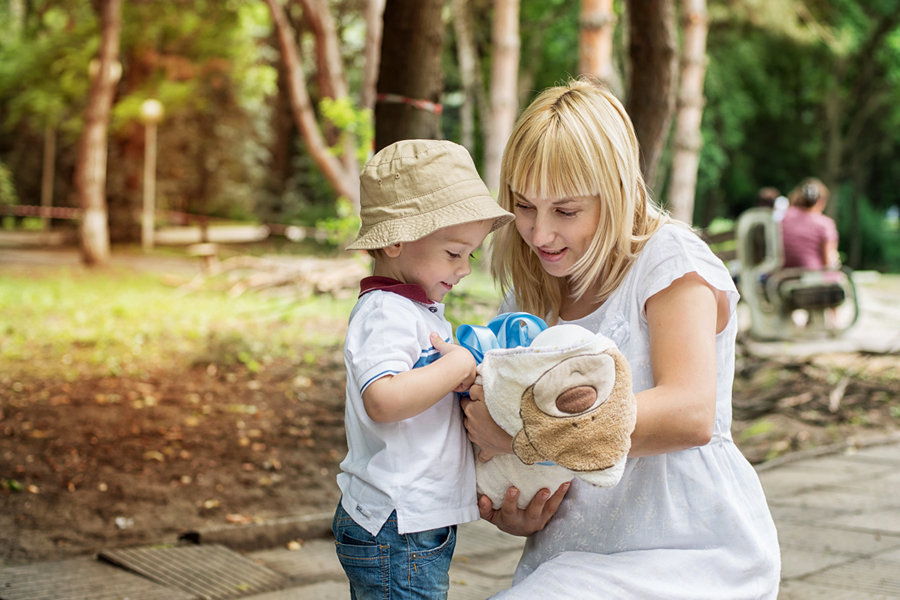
<point x="412" y="188"/>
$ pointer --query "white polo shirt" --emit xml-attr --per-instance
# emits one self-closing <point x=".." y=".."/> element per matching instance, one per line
<point x="422" y="467"/>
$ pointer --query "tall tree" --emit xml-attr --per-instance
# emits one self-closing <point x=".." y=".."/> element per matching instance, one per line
<point x="90" y="167"/>
<point x="343" y="172"/>
<point x="504" y="88"/>
<point x="596" y="25"/>
<point x="410" y="78"/>
<point x="651" y="80"/>
<point x="469" y="72"/>
<point x="856" y="105"/>
<point x="687" y="140"/>
<point x="374" y="26"/>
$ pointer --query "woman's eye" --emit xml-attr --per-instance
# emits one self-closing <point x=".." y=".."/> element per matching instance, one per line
<point x="567" y="213"/>
<point x="453" y="255"/>
<point x="520" y="206"/>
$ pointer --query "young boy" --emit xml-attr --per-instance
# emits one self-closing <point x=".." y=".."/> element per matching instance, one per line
<point x="408" y="478"/>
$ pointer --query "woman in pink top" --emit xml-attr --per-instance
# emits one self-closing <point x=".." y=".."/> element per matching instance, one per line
<point x="810" y="238"/>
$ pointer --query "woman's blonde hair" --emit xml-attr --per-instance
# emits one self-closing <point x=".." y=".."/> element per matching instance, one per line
<point x="574" y="140"/>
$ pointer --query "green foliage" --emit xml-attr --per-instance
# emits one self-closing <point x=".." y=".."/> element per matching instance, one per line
<point x="781" y="74"/>
<point x="44" y="65"/>
<point x="759" y="427"/>
<point x="549" y="32"/>
<point x="342" y="228"/>
<point x="349" y="120"/>
<point x="879" y="245"/>
<point x="8" y="194"/>
<point x="11" y="485"/>
<point x="785" y="93"/>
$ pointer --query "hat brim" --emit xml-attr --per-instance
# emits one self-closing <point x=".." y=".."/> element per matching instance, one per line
<point x="417" y="226"/>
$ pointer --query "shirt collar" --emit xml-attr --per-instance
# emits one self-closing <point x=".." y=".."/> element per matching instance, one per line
<point x="413" y="292"/>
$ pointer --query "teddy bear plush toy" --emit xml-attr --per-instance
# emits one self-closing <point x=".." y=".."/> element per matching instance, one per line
<point x="563" y="393"/>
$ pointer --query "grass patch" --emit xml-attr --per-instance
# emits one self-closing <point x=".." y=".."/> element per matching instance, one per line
<point x="117" y="322"/>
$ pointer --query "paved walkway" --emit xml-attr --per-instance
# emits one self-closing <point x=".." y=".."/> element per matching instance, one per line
<point x="837" y="511"/>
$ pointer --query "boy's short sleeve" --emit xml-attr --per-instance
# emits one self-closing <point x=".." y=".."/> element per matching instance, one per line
<point x="382" y="338"/>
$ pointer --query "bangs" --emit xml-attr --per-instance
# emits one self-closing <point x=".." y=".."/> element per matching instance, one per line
<point x="556" y="162"/>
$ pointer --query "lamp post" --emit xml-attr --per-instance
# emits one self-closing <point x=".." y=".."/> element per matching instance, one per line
<point x="151" y="114"/>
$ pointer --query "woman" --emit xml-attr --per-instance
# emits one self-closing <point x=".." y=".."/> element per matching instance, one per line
<point x="689" y="518"/>
<point x="810" y="237"/>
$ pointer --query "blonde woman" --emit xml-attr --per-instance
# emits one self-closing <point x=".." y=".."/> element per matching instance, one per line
<point x="689" y="518"/>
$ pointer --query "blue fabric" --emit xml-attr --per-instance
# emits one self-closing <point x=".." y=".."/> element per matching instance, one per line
<point x="509" y="330"/>
<point x="391" y="565"/>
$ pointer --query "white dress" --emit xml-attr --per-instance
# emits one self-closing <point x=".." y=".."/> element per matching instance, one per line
<point x="691" y="524"/>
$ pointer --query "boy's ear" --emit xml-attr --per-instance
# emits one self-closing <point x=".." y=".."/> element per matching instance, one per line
<point x="394" y="250"/>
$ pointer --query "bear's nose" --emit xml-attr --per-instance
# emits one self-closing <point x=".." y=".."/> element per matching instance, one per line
<point x="576" y="399"/>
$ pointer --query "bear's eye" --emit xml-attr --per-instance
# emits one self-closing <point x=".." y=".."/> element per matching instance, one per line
<point x="576" y="385"/>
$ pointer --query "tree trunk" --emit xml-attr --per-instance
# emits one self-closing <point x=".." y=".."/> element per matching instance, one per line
<point x="504" y="79"/>
<point x="339" y="174"/>
<point x="330" y="73"/>
<point x="332" y="81"/>
<point x="688" y="141"/>
<point x="596" y="26"/>
<point x="90" y="166"/>
<point x="470" y="73"/>
<point x="374" y="26"/>
<point x="651" y="87"/>
<point x="411" y="78"/>
<point x="48" y="171"/>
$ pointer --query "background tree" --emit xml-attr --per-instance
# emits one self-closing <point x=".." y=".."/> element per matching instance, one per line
<point x="374" y="26"/>
<point x="41" y="98"/>
<point x="792" y="87"/>
<point x="686" y="140"/>
<point x="472" y="83"/>
<point x="90" y="167"/>
<point x="410" y="78"/>
<point x="342" y="173"/>
<point x="503" y="88"/>
<point x="596" y="25"/>
<point x="652" y="73"/>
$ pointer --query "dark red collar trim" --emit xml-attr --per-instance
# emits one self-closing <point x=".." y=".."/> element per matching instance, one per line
<point x="413" y="292"/>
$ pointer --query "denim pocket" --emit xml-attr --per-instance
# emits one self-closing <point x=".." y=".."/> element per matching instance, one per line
<point x="436" y="544"/>
<point x="365" y="561"/>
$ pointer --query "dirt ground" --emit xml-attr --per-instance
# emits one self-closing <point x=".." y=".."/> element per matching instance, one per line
<point x="107" y="462"/>
<point x="115" y="461"/>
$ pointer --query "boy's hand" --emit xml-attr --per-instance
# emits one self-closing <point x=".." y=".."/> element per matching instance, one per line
<point x="460" y="354"/>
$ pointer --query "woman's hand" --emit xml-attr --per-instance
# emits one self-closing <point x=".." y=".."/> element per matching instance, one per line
<point x="513" y="520"/>
<point x="490" y="438"/>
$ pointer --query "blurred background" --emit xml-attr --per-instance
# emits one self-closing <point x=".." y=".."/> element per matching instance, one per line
<point x="261" y="111"/>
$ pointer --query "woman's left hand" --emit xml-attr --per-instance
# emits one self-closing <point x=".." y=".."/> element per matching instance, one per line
<point x="490" y="438"/>
<point x="524" y="522"/>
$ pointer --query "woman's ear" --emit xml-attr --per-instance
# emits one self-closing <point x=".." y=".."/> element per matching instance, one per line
<point x="394" y="250"/>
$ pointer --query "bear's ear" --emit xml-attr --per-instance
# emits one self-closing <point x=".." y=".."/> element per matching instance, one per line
<point x="575" y="385"/>
<point x="623" y="371"/>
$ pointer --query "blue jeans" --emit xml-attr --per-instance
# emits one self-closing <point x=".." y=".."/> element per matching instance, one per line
<point x="394" y="566"/>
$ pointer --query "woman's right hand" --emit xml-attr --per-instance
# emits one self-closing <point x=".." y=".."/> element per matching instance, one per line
<point x="482" y="430"/>
<point x="516" y="521"/>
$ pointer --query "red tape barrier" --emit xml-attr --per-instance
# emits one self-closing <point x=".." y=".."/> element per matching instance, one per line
<point x="47" y="212"/>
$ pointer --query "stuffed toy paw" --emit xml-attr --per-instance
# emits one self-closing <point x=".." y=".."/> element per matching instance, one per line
<point x="565" y="396"/>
